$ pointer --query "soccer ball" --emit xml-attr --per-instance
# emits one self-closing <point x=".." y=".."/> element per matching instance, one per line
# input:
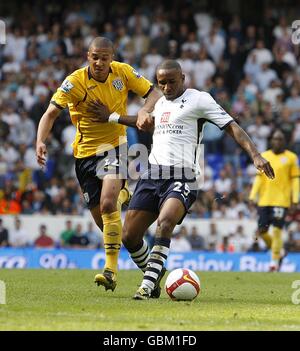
<point x="182" y="284"/>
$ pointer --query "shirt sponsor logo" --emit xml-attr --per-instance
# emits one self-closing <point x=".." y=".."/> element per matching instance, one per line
<point x="66" y="86"/>
<point x="165" y="117"/>
<point x="118" y="84"/>
<point x="86" y="197"/>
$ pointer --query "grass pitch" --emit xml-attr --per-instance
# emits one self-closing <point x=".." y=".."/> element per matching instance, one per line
<point x="69" y="300"/>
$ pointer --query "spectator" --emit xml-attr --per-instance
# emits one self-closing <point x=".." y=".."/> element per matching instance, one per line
<point x="212" y="237"/>
<point x="23" y="132"/>
<point x="215" y="44"/>
<point x="67" y="234"/>
<point x="43" y="240"/>
<point x="4" y="129"/>
<point x="239" y="240"/>
<point x="263" y="55"/>
<point x="293" y="103"/>
<point x="226" y="245"/>
<point x="196" y="240"/>
<point x="18" y="236"/>
<point x="293" y="242"/>
<point x="278" y="65"/>
<point x="264" y="78"/>
<point x="259" y="133"/>
<point x="296" y="137"/>
<point x="10" y="203"/>
<point x="179" y="242"/>
<point x="203" y="70"/>
<point x="223" y="184"/>
<point x="94" y="237"/>
<point x="79" y="240"/>
<point x="191" y="44"/>
<point x="3" y="235"/>
<point x="286" y="125"/>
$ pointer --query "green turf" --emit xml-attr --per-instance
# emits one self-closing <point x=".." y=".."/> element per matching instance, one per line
<point x="69" y="300"/>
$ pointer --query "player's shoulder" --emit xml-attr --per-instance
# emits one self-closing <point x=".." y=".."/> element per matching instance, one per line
<point x="78" y="74"/>
<point x="267" y="154"/>
<point x="118" y="67"/>
<point x="291" y="155"/>
<point x="203" y="98"/>
<point x="75" y="79"/>
<point x="199" y="93"/>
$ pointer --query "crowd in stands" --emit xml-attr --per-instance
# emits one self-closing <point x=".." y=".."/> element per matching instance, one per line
<point x="74" y="236"/>
<point x="249" y="65"/>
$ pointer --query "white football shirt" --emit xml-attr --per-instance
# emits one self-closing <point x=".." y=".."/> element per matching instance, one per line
<point x="178" y="127"/>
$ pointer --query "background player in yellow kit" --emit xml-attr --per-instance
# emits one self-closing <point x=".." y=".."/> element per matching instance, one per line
<point x="99" y="148"/>
<point x="275" y="196"/>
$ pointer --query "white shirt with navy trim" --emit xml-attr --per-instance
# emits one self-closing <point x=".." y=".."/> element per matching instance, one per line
<point x="179" y="126"/>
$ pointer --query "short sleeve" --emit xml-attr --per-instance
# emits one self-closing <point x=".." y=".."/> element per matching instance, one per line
<point x="295" y="167"/>
<point x="136" y="82"/>
<point x="213" y="112"/>
<point x="69" y="92"/>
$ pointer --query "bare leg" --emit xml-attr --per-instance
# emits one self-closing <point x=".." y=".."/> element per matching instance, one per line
<point x="135" y="225"/>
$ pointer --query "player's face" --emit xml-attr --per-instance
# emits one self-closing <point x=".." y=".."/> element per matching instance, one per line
<point x="170" y="82"/>
<point x="278" y="142"/>
<point x="99" y="60"/>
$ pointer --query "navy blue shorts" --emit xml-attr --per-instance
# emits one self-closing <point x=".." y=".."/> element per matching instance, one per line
<point x="150" y="194"/>
<point x="269" y="215"/>
<point x="91" y="170"/>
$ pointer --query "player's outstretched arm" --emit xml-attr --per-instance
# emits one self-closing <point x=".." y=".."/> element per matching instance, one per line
<point x="242" y="138"/>
<point x="44" y="128"/>
<point x="101" y="114"/>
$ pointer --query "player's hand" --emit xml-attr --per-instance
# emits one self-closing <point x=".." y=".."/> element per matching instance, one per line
<point x="263" y="166"/>
<point x="41" y="153"/>
<point x="99" y="111"/>
<point x="144" y="121"/>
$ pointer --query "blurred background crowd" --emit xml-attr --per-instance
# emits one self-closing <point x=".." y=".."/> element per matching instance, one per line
<point x="248" y="63"/>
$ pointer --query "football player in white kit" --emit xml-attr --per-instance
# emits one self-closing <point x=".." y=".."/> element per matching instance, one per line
<point x="166" y="190"/>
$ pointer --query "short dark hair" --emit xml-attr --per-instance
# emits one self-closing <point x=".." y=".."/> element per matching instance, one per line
<point x="277" y="130"/>
<point x="101" y="42"/>
<point x="169" y="64"/>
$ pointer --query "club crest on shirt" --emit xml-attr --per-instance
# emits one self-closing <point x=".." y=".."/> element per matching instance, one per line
<point x="165" y="117"/>
<point x="118" y="84"/>
<point x="66" y="86"/>
<point x="283" y="160"/>
<point x="86" y="197"/>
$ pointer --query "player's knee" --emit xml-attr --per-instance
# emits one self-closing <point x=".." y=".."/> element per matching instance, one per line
<point x="165" y="225"/>
<point x="107" y="206"/>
